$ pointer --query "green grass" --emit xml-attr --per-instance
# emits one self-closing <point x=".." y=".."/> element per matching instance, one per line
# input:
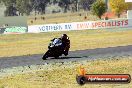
<point x="64" y="75"/>
<point x="26" y="44"/>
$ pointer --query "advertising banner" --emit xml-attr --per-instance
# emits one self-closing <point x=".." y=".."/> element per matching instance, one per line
<point x="116" y="23"/>
<point x="51" y="27"/>
<point x="12" y="30"/>
<point x="104" y="24"/>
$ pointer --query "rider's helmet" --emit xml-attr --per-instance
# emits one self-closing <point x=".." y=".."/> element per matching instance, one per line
<point x="64" y="36"/>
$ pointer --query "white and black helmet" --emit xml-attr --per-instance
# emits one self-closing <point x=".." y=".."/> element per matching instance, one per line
<point x="64" y="36"/>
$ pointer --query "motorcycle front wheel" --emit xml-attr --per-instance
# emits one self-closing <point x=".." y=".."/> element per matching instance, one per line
<point x="46" y="55"/>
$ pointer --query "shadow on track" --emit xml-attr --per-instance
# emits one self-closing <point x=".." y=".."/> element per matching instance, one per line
<point x="65" y="58"/>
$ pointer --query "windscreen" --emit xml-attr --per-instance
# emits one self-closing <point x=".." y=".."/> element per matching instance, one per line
<point x="57" y="42"/>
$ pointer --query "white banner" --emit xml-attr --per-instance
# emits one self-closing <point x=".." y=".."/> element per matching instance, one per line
<point x="128" y="0"/>
<point x="51" y="27"/>
<point x="116" y="23"/>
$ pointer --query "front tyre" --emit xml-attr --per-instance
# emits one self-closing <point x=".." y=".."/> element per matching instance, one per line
<point x="45" y="56"/>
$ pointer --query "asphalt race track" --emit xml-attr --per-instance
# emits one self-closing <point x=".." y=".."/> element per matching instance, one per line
<point x="90" y="54"/>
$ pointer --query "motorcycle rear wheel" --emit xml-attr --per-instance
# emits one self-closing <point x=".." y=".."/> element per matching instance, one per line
<point x="56" y="57"/>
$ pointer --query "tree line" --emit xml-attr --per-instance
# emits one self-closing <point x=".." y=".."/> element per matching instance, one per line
<point x="25" y="7"/>
<point x="98" y="7"/>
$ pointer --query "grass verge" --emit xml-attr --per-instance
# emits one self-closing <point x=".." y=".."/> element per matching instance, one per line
<point x="63" y="75"/>
<point x="26" y="44"/>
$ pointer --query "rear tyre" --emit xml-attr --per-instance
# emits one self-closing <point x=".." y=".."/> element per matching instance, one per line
<point x="56" y="57"/>
<point x="66" y="53"/>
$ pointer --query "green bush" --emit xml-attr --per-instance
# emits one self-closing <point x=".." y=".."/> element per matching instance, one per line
<point x="98" y="8"/>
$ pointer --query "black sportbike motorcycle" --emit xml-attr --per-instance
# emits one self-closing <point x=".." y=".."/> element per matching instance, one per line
<point x="56" y="49"/>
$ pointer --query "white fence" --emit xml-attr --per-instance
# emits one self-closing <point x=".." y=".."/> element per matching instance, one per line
<point x="103" y="24"/>
<point x="115" y="23"/>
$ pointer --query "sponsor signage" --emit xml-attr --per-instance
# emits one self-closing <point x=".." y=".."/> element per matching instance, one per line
<point x="116" y="23"/>
<point x="102" y="24"/>
<point x="15" y="30"/>
<point x="105" y="78"/>
<point x="51" y="27"/>
<point x="83" y="78"/>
